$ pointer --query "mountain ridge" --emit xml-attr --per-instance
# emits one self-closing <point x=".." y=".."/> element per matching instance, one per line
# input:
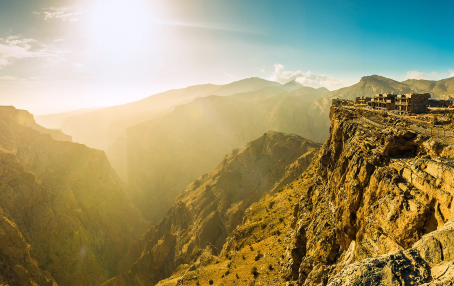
<point x="214" y="204"/>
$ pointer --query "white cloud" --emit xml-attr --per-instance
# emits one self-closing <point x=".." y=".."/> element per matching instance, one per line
<point x="430" y="76"/>
<point x="415" y="75"/>
<point x="308" y="78"/>
<point x="16" y="47"/>
<point x="71" y="14"/>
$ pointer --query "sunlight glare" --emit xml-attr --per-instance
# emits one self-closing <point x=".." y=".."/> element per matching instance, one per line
<point x="119" y="30"/>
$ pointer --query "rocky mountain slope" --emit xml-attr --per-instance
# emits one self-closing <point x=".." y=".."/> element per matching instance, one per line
<point x="100" y="128"/>
<point x="443" y="89"/>
<point x="64" y="214"/>
<point x="374" y="208"/>
<point x="213" y="205"/>
<point x="194" y="138"/>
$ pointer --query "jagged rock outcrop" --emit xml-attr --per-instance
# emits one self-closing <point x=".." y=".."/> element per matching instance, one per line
<point x="400" y="268"/>
<point x="212" y="206"/>
<point x="430" y="260"/>
<point x="67" y="203"/>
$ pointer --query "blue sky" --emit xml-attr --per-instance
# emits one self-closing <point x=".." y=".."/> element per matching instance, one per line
<point x="58" y="55"/>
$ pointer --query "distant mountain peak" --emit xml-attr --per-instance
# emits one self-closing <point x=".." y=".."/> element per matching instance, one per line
<point x="293" y="83"/>
<point x="375" y="78"/>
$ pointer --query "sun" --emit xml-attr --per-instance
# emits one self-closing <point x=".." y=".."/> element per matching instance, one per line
<point x="117" y="31"/>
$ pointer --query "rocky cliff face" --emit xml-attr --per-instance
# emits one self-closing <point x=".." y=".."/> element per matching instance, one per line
<point x="375" y="191"/>
<point x="212" y="206"/>
<point x="374" y="208"/>
<point x="64" y="204"/>
<point x="23" y="117"/>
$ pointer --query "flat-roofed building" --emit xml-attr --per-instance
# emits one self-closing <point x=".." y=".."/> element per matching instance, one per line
<point x="385" y="101"/>
<point x="412" y="103"/>
<point x="362" y="100"/>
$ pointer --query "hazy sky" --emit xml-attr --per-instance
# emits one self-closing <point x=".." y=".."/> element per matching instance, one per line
<point x="58" y="55"/>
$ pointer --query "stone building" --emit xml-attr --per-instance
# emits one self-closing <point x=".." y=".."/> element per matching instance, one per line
<point x="432" y="102"/>
<point x="385" y="101"/>
<point x="362" y="100"/>
<point x="412" y="103"/>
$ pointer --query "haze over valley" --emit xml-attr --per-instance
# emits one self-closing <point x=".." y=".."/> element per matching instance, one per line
<point x="201" y="142"/>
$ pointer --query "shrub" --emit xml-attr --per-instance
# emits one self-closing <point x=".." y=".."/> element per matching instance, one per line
<point x="270" y="267"/>
<point x="210" y="282"/>
<point x="258" y="256"/>
<point x="251" y="248"/>
<point x="435" y="120"/>
<point x="254" y="271"/>
<point x="281" y="219"/>
<point x="263" y="226"/>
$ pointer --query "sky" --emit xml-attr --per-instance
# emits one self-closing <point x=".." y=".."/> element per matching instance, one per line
<point x="61" y="55"/>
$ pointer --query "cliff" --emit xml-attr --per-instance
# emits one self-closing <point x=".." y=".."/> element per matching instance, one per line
<point x="23" y="117"/>
<point x="374" y="208"/>
<point x="212" y="206"/>
<point x="67" y="204"/>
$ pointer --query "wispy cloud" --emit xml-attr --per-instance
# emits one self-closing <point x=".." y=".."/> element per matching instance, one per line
<point x="213" y="26"/>
<point x="16" y="80"/>
<point x="15" y="48"/>
<point x="308" y="78"/>
<point x="428" y="76"/>
<point x="9" y="78"/>
<point x="71" y="14"/>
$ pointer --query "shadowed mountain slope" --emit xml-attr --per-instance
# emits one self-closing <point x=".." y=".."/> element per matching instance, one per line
<point x="66" y="201"/>
<point x="213" y="205"/>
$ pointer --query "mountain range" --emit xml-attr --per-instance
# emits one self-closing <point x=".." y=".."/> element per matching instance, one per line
<point x="227" y="185"/>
